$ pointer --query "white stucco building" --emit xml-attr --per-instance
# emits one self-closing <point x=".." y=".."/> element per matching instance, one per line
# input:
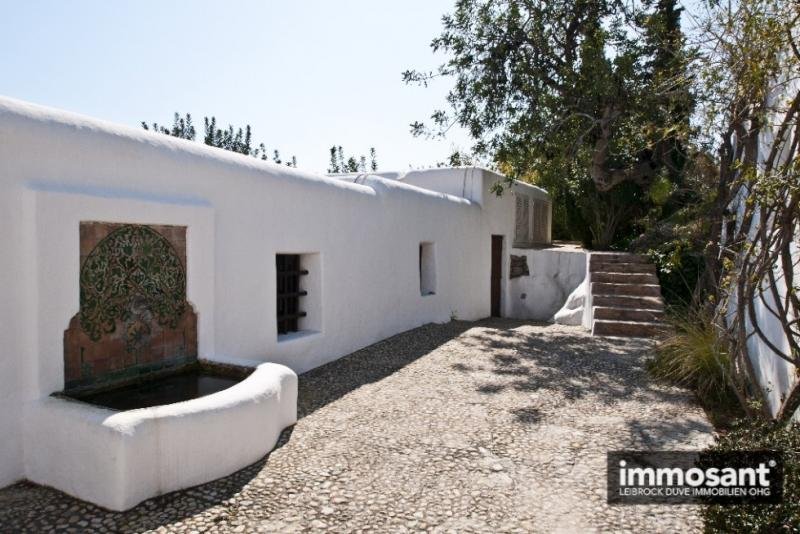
<point x="383" y="254"/>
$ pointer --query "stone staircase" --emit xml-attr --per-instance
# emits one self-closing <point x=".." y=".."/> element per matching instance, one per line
<point x="625" y="296"/>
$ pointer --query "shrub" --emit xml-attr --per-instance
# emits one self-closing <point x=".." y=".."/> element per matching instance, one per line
<point x="679" y="267"/>
<point x="772" y="518"/>
<point x="695" y="356"/>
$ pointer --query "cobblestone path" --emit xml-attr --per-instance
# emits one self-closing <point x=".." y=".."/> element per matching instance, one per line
<point x="494" y="426"/>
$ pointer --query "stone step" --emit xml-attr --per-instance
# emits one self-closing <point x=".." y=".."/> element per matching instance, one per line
<point x="620" y="301"/>
<point x="628" y="290"/>
<point x="626" y="296"/>
<point x="627" y="328"/>
<point x="617" y="257"/>
<point x="621" y="267"/>
<point x="625" y="278"/>
<point x="628" y="314"/>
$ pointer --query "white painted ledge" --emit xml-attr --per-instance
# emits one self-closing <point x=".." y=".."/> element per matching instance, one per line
<point x="118" y="459"/>
<point x="298" y="335"/>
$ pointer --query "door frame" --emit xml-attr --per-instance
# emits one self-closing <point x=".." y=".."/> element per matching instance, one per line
<point x="498" y="286"/>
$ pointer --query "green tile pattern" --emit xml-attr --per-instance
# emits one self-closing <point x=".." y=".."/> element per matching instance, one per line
<point x="133" y="270"/>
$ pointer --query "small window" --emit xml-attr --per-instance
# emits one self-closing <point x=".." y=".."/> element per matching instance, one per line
<point x="531" y="221"/>
<point x="427" y="269"/>
<point x="289" y="271"/>
<point x="541" y="221"/>
<point x="522" y="221"/>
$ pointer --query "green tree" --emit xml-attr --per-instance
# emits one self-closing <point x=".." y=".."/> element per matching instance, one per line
<point x="457" y="158"/>
<point x="181" y="127"/>
<point x="373" y="159"/>
<point x="587" y="98"/>
<point x="748" y="94"/>
<point x="339" y="163"/>
<point x="238" y="140"/>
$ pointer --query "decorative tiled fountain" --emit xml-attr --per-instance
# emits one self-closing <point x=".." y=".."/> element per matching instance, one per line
<point x="134" y="318"/>
<point x="140" y="414"/>
<point x="133" y="344"/>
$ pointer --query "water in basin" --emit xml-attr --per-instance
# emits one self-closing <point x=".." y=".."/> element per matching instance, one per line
<point x="169" y="389"/>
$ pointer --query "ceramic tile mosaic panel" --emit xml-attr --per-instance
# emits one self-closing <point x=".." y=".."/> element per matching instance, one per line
<point x="134" y="317"/>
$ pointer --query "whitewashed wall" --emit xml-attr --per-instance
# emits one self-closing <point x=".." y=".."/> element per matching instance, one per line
<point x="554" y="275"/>
<point x="57" y="169"/>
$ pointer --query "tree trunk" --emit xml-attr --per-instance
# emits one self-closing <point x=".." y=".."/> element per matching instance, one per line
<point x="605" y="178"/>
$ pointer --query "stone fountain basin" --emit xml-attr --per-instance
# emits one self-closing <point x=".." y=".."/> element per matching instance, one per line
<point x="119" y="459"/>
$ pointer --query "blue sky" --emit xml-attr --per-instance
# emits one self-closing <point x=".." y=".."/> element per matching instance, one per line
<point x="305" y="74"/>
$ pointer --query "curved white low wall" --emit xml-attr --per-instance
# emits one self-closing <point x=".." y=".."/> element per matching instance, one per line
<point x="118" y="459"/>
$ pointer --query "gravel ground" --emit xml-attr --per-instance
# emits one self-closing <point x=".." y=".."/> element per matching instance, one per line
<point x="494" y="426"/>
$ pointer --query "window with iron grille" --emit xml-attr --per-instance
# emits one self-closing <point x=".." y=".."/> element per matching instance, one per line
<point x="289" y="272"/>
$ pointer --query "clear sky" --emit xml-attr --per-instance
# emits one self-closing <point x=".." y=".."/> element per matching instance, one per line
<point x="305" y="74"/>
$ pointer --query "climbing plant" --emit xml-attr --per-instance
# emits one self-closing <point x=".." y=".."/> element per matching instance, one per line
<point x="751" y="69"/>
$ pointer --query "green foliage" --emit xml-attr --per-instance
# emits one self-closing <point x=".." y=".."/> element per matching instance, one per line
<point x="181" y="127"/>
<point x="340" y="163"/>
<point x="758" y="518"/>
<point x="694" y="355"/>
<point x="676" y="230"/>
<point x="660" y="191"/>
<point x="679" y="266"/>
<point x="237" y="140"/>
<point x="373" y="159"/>
<point x="457" y="158"/>
<point x="749" y="68"/>
<point x="589" y="99"/>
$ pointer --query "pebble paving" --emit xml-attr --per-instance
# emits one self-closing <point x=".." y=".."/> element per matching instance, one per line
<point x="491" y="426"/>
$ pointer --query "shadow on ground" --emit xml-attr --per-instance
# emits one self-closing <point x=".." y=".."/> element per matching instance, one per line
<point x="576" y="365"/>
<point x="609" y="369"/>
<point x="331" y="381"/>
<point x="571" y="368"/>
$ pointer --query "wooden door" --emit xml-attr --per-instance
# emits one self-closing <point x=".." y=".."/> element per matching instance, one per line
<point x="497" y="273"/>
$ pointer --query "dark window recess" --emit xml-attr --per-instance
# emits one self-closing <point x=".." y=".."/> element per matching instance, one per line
<point x="289" y="292"/>
<point x="427" y="269"/>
